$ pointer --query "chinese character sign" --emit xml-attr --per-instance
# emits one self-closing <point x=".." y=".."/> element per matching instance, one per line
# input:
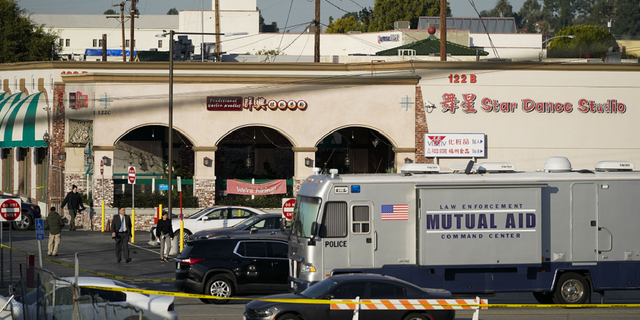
<point x="454" y="145"/>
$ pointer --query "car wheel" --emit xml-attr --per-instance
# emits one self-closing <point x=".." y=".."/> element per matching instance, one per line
<point x="543" y="297"/>
<point x="219" y="286"/>
<point x="572" y="289"/>
<point x="416" y="316"/>
<point x="25" y="222"/>
<point x="289" y="316"/>
<point x="185" y="235"/>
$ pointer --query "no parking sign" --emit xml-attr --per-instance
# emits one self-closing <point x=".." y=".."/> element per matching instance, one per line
<point x="10" y="209"/>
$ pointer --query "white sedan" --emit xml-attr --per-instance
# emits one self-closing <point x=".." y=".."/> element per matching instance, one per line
<point x="92" y="303"/>
<point x="209" y="218"/>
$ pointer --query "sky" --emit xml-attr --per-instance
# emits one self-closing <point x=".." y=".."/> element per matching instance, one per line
<point x="284" y="12"/>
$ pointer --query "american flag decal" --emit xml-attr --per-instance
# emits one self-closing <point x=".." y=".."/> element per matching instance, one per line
<point x="395" y="212"/>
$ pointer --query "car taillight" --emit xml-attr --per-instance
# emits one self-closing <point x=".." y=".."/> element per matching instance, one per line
<point x="190" y="261"/>
<point x="170" y="307"/>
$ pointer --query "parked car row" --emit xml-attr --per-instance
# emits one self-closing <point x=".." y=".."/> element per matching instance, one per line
<point x="252" y="258"/>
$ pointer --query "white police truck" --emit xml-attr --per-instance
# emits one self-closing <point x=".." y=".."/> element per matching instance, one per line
<point x="559" y="233"/>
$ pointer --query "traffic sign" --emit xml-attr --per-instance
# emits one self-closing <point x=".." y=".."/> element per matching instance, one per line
<point x="163" y="187"/>
<point x="102" y="167"/>
<point x="287" y="207"/>
<point x="39" y="229"/>
<point x="132" y="175"/>
<point x="10" y="209"/>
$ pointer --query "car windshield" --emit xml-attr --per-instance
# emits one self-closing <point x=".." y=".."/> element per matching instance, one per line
<point x="319" y="290"/>
<point x="305" y="213"/>
<point x="247" y="222"/>
<point x="198" y="214"/>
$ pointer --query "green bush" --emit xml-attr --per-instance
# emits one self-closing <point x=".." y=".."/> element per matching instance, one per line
<point x="587" y="39"/>
<point x="152" y="200"/>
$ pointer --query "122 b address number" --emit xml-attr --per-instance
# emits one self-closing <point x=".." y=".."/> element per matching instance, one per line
<point x="462" y="78"/>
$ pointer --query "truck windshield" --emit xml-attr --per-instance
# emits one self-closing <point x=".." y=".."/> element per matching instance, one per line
<point x="305" y="213"/>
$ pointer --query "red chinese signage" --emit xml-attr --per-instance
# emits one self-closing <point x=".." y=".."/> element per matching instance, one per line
<point x="273" y="187"/>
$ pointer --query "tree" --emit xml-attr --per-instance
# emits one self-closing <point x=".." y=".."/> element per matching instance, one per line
<point x="386" y="12"/>
<point x="502" y="9"/>
<point x="110" y="11"/>
<point x="530" y="13"/>
<point x="23" y="40"/>
<point x="344" y="25"/>
<point x="629" y="22"/>
<point x="564" y="12"/>
<point x="586" y="39"/>
<point x="172" y="12"/>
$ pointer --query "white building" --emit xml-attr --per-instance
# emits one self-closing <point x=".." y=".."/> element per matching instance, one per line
<point x="81" y="32"/>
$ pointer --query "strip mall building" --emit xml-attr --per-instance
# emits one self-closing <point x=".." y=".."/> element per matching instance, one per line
<point x="277" y="121"/>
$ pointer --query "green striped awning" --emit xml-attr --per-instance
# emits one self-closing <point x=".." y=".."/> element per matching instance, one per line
<point x="23" y="120"/>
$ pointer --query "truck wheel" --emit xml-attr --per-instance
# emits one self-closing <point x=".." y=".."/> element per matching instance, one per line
<point x="219" y="286"/>
<point x="572" y="288"/>
<point x="416" y="316"/>
<point x="288" y="316"/>
<point x="543" y="297"/>
<point x="25" y="222"/>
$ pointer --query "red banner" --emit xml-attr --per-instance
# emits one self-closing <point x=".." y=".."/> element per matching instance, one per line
<point x="273" y="187"/>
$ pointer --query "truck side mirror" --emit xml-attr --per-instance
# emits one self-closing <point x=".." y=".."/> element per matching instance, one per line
<point x="314" y="229"/>
<point x="283" y="223"/>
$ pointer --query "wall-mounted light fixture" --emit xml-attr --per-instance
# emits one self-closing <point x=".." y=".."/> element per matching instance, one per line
<point x="89" y="159"/>
<point x="62" y="156"/>
<point x="308" y="162"/>
<point x="248" y="161"/>
<point x="207" y="162"/>
<point x="106" y="161"/>
<point x="408" y="160"/>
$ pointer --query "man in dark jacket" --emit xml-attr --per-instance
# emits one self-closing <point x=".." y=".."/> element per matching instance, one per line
<point x="54" y="223"/>
<point x="74" y="203"/>
<point x="121" y="231"/>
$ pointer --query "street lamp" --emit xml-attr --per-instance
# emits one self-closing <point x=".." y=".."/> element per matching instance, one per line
<point x="172" y="33"/>
<point x="565" y="36"/>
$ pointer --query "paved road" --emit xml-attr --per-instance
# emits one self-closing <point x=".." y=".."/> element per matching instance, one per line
<point x="96" y="252"/>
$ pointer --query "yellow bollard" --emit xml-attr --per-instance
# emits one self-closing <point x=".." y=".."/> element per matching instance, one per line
<point x="160" y="213"/>
<point x="133" y="225"/>
<point x="181" y="235"/>
<point x="102" y="216"/>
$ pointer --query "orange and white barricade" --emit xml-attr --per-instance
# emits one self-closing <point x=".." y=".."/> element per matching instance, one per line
<point x="410" y="304"/>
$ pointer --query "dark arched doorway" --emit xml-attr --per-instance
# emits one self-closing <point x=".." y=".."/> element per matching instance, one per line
<point x="253" y="154"/>
<point x="355" y="150"/>
<point x="146" y="148"/>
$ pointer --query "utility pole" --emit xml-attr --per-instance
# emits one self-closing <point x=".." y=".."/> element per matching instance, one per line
<point x="133" y="19"/>
<point x="217" y="13"/>
<point x="104" y="47"/>
<point x="316" y="51"/>
<point x="443" y="30"/>
<point x="124" y="57"/>
<point x="124" y="49"/>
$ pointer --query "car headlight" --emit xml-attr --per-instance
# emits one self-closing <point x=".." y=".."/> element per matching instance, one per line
<point x="259" y="313"/>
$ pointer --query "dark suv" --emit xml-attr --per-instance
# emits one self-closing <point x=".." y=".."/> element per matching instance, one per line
<point x="260" y="226"/>
<point x="228" y="267"/>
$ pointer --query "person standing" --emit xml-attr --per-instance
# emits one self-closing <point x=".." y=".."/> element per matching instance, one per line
<point x="74" y="203"/>
<point x="164" y="232"/>
<point x="54" y="223"/>
<point x="121" y="231"/>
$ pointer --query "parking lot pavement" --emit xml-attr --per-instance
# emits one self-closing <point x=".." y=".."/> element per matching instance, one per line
<point x="96" y="253"/>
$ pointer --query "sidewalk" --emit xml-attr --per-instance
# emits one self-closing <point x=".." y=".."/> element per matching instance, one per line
<point x="96" y="253"/>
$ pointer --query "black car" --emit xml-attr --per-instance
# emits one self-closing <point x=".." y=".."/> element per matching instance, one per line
<point x="349" y="286"/>
<point x="228" y="267"/>
<point x="29" y="213"/>
<point x="261" y="226"/>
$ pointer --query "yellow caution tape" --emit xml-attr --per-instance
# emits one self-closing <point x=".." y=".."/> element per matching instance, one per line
<point x="322" y="301"/>
<point x="111" y="276"/>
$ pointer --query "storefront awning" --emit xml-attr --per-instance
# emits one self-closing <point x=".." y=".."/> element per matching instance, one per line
<point x="23" y="120"/>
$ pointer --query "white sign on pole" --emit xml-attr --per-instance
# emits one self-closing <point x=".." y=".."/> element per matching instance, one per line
<point x="132" y="175"/>
<point x="454" y="145"/>
<point x="179" y="184"/>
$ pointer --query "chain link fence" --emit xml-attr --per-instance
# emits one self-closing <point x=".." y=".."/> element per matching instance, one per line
<point x="59" y="298"/>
